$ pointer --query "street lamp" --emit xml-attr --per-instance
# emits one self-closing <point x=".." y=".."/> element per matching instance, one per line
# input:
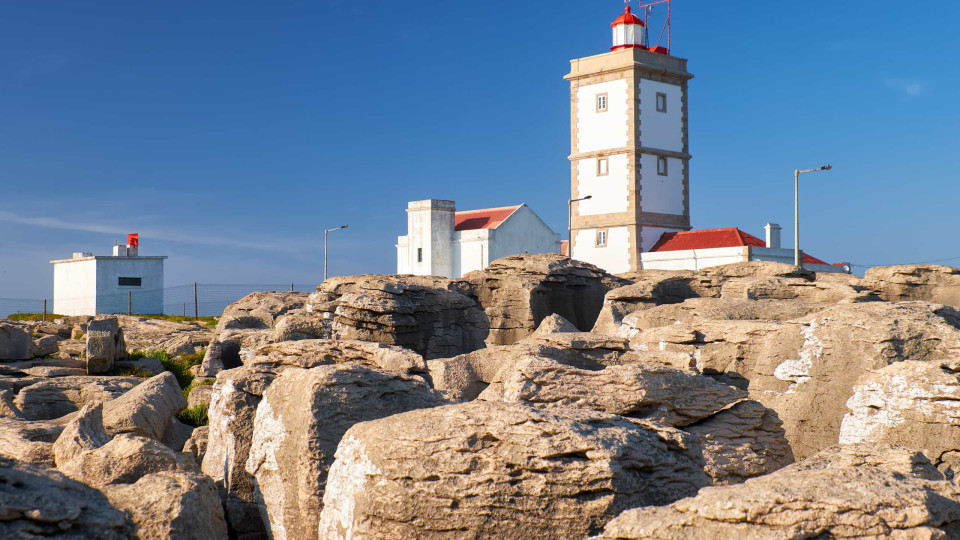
<point x="325" y="233"/>
<point x="570" y="223"/>
<point x="796" y="211"/>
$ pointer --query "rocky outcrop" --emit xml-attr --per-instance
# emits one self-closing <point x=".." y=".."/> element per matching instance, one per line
<point x="39" y="503"/>
<point x="938" y="284"/>
<point x="501" y="470"/>
<point x="238" y="392"/>
<point x="147" y="409"/>
<point x="29" y="442"/>
<point x="50" y="398"/>
<point x="519" y="291"/>
<point x="863" y="492"/>
<point x="804" y="369"/>
<point x="299" y="423"/>
<point x="105" y="345"/>
<point x="15" y="343"/>
<point x="123" y="460"/>
<point x="911" y="403"/>
<point x="740" y="438"/>
<point x="85" y="432"/>
<point x="197" y="443"/>
<point x="260" y="310"/>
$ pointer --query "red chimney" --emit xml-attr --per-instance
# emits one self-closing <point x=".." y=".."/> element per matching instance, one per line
<point x="133" y="240"/>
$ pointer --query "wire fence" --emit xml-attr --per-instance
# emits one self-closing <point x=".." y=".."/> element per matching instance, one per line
<point x="198" y="299"/>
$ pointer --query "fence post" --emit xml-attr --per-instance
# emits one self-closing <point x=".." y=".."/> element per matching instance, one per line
<point x="184" y="309"/>
<point x="291" y="287"/>
<point x="196" y="304"/>
<point x="44" y="310"/>
<point x="129" y="302"/>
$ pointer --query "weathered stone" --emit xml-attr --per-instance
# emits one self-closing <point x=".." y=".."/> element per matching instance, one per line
<point x="939" y="284"/>
<point x="172" y="504"/>
<point x="519" y="291"/>
<point x="147" y="409"/>
<point x="39" y="503"/>
<point x="862" y="492"/>
<point x="15" y="343"/>
<point x="47" y="346"/>
<point x="500" y="470"/>
<point x="298" y="425"/>
<point x="259" y="310"/>
<point x="47" y="399"/>
<point x="84" y="432"/>
<point x="123" y="460"/>
<point x="157" y="334"/>
<point x="295" y="327"/>
<point x="149" y="364"/>
<point x="197" y="443"/>
<point x="200" y="395"/>
<point x="30" y="442"/>
<point x="105" y="345"/>
<point x="177" y="434"/>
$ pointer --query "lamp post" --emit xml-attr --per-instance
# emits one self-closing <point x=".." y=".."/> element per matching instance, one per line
<point x="570" y="223"/>
<point x="325" y="233"/>
<point x="796" y="211"/>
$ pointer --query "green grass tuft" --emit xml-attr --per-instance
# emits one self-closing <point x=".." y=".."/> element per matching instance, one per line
<point x="133" y="372"/>
<point x="178" y="365"/>
<point x="194" y="416"/>
<point x="33" y="316"/>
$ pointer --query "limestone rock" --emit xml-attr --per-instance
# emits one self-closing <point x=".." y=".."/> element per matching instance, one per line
<point x="295" y="327"/>
<point x="39" y="503"/>
<point x="15" y="343"/>
<point x="916" y="404"/>
<point x="200" y="395"/>
<point x="938" y="284"/>
<point x="519" y="291"/>
<point x="500" y="470"/>
<point x="197" y="443"/>
<point x="47" y="346"/>
<point x="862" y="492"/>
<point x="151" y="365"/>
<point x="84" y="432"/>
<point x="47" y="399"/>
<point x="172" y="504"/>
<point x="29" y="442"/>
<point x="298" y="425"/>
<point x="105" y="345"/>
<point x="147" y="409"/>
<point x="123" y="460"/>
<point x="177" y="434"/>
<point x="174" y="338"/>
<point x="260" y="310"/>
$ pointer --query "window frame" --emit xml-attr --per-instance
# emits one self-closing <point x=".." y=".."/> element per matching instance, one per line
<point x="606" y="102"/>
<point x="419" y="254"/>
<point x="661" y="96"/>
<point x="120" y="283"/>
<point x="603" y="170"/>
<point x="606" y="237"/>
<point x="666" y="166"/>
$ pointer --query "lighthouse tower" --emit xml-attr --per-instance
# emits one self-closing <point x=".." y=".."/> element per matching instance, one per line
<point x="629" y="149"/>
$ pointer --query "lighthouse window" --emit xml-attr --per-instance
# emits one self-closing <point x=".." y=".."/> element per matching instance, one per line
<point x="130" y="282"/>
<point x="603" y="167"/>
<point x="602" y="103"/>
<point x="661" y="102"/>
<point x="602" y="238"/>
<point x="662" y="166"/>
<point x="420" y="255"/>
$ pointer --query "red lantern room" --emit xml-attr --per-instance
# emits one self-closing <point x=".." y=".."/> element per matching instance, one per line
<point x="627" y="31"/>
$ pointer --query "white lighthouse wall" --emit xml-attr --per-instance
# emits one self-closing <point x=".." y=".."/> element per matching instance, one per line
<point x="610" y="193"/>
<point x="112" y="298"/>
<point x="614" y="257"/>
<point x="661" y="194"/>
<point x="661" y="130"/>
<point x="602" y="130"/>
<point x="75" y="287"/>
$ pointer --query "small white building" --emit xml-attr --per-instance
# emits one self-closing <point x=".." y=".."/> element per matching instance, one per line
<point x="693" y="250"/>
<point x="89" y="284"/>
<point x="443" y="242"/>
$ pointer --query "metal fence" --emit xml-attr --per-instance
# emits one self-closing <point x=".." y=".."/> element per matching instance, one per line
<point x="198" y="299"/>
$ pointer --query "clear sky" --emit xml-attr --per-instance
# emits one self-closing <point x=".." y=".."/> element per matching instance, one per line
<point x="229" y="134"/>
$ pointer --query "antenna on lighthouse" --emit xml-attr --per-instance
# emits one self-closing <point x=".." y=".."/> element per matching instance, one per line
<point x="667" y="25"/>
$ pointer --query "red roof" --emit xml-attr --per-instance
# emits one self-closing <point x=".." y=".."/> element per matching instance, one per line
<point x="627" y="18"/>
<point x="487" y="218"/>
<point x="714" y="238"/>
<point x="563" y="247"/>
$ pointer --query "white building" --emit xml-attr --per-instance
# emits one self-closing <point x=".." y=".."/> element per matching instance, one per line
<point x="629" y="149"/>
<point x="443" y="242"/>
<point x="89" y="284"/>
<point x="693" y="250"/>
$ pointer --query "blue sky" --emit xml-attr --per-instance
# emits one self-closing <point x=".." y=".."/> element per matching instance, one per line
<point x="229" y="134"/>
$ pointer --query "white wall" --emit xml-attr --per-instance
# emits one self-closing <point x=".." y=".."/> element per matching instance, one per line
<point x="661" y="194"/>
<point x="75" y="287"/>
<point x="663" y="131"/>
<point x="787" y="256"/>
<point x="472" y="251"/>
<point x="430" y="229"/>
<point x="523" y="232"/>
<point x="614" y="257"/>
<point x="403" y="255"/>
<point x="610" y="192"/>
<point x="602" y="130"/>
<point x="693" y="259"/>
<point x="112" y="298"/>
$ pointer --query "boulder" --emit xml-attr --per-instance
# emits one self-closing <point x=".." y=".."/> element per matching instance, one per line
<point x="85" y="432"/>
<point x="196" y="445"/>
<point x="147" y="409"/>
<point x="105" y="345"/>
<point x="519" y="291"/>
<point x="39" y="503"/>
<point x="177" y="434"/>
<point x="916" y="404"/>
<point x="29" y="442"/>
<point x="938" y="284"/>
<point x="862" y="492"/>
<point x="149" y="364"/>
<point x="200" y="395"/>
<point x="299" y="422"/>
<point x="123" y="460"/>
<point x="259" y="310"/>
<point x="15" y="342"/>
<point x="47" y="399"/>
<point x="294" y="327"/>
<point x="174" y="338"/>
<point x="501" y="470"/>
<point x="173" y="504"/>
<point x="47" y="346"/>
